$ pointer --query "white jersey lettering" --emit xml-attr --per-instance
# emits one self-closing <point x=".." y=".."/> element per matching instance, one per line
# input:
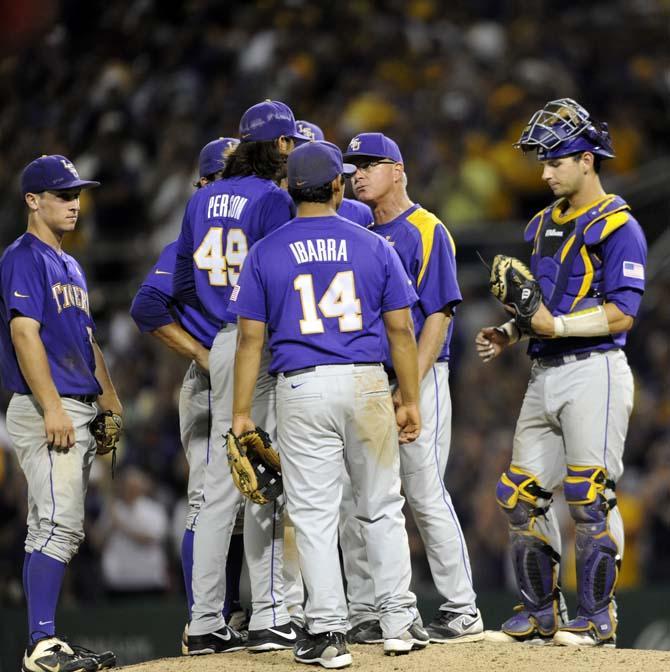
<point x="68" y="295"/>
<point x="321" y="249"/>
<point x="226" y="206"/>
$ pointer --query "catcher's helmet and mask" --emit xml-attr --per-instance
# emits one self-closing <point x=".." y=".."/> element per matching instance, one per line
<point x="563" y="127"/>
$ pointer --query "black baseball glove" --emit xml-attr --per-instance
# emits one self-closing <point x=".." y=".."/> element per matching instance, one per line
<point x="513" y="285"/>
<point x="254" y="465"/>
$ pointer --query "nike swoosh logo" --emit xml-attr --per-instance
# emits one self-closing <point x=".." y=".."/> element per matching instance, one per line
<point x="291" y="636"/>
<point x="225" y="637"/>
<point x="44" y="622"/>
<point x="294" y="385"/>
<point x="18" y="295"/>
<point x="301" y="652"/>
<point x="162" y="272"/>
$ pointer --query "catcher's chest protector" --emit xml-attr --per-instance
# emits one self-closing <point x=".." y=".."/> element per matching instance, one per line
<point x="565" y="257"/>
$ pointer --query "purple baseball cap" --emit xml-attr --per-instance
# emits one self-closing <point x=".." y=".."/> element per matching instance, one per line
<point x="312" y="131"/>
<point x="315" y="164"/>
<point x="52" y="172"/>
<point x="268" y="121"/>
<point x="211" y="155"/>
<point x="376" y="145"/>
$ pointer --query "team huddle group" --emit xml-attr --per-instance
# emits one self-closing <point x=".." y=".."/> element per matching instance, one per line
<point x="326" y="322"/>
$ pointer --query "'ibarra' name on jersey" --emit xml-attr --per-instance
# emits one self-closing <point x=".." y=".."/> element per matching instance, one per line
<point x="321" y="249"/>
<point x="224" y="205"/>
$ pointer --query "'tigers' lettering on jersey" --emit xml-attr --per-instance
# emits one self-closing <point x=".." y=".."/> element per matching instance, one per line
<point x="71" y="295"/>
<point x="224" y="205"/>
<point x="321" y="249"/>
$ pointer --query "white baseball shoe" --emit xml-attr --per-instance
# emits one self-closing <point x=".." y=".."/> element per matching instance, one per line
<point x="451" y="627"/>
<point x="415" y="637"/>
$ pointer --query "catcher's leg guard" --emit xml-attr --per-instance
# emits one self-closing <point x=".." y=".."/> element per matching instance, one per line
<point x="536" y="562"/>
<point x="590" y="495"/>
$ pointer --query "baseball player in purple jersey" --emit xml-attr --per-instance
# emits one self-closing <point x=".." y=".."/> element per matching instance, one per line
<point x="221" y="223"/>
<point x="589" y="255"/>
<point x="51" y="362"/>
<point x="427" y="252"/>
<point x="190" y="334"/>
<point x="328" y="292"/>
<point x="350" y="208"/>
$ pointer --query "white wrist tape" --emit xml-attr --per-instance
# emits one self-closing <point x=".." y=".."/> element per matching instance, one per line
<point x="590" y="322"/>
<point x="513" y="332"/>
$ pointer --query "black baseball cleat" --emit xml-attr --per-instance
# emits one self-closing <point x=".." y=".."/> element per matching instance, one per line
<point x="328" y="649"/>
<point x="273" y="639"/>
<point x="104" y="659"/>
<point x="367" y="632"/>
<point x="222" y="641"/>
<point x="52" y="653"/>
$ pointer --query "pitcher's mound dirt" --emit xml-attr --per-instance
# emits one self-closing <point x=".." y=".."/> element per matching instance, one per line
<point x="478" y="657"/>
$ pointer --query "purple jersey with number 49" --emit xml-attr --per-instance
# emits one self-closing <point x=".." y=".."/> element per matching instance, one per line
<point x="221" y="223"/>
<point x="322" y="284"/>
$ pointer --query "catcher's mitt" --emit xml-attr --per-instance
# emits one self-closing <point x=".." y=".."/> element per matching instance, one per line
<point x="513" y="285"/>
<point x="106" y="429"/>
<point x="254" y="465"/>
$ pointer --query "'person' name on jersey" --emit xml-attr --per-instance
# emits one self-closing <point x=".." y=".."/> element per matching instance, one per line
<point x="67" y="296"/>
<point x="225" y="205"/>
<point x="328" y="249"/>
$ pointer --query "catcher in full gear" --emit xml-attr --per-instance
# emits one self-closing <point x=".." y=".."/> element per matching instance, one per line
<point x="588" y="261"/>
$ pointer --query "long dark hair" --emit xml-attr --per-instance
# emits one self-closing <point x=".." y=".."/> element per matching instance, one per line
<point x="262" y="159"/>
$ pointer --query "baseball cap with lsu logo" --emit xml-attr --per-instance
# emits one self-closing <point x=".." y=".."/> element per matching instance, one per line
<point x="269" y="120"/>
<point x="376" y="145"/>
<point x="52" y="172"/>
<point x="315" y="164"/>
<point x="312" y="131"/>
<point x="212" y="157"/>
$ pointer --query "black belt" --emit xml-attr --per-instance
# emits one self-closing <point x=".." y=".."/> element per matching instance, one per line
<point x="84" y="398"/>
<point x="310" y="369"/>
<point x="559" y="360"/>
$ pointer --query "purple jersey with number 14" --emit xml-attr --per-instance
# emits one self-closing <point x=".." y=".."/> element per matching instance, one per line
<point x="221" y="223"/>
<point x="321" y="284"/>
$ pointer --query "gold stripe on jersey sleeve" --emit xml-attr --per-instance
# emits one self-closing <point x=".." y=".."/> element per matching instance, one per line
<point x="613" y="222"/>
<point x="586" y="280"/>
<point x="426" y="222"/>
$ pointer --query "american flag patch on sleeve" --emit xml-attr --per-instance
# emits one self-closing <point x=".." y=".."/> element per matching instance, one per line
<point x="236" y="290"/>
<point x="632" y="269"/>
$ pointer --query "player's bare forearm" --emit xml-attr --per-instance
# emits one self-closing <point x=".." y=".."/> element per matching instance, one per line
<point x="178" y="339"/>
<point x="400" y="332"/>
<point x="109" y="399"/>
<point x="431" y="340"/>
<point x="32" y="357"/>
<point x="34" y="365"/>
<point x="250" y="339"/>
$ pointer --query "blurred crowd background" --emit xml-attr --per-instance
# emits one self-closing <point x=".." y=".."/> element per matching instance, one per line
<point x="130" y="91"/>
